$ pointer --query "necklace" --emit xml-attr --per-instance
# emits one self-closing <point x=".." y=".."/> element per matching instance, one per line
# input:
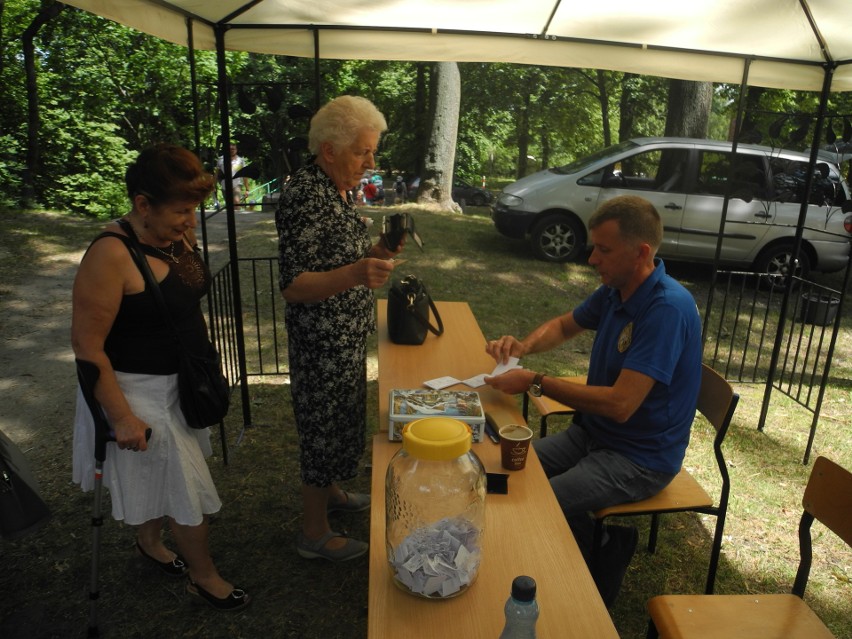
<point x="171" y="252"/>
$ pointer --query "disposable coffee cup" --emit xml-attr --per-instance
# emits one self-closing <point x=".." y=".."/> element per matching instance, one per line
<point x="514" y="446"/>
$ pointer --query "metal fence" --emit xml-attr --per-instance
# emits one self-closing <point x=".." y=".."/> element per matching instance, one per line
<point x="262" y="310"/>
<point x="741" y="335"/>
<point x="740" y="331"/>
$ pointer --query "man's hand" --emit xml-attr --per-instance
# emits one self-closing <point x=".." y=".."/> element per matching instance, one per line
<point x="505" y="347"/>
<point x="512" y="382"/>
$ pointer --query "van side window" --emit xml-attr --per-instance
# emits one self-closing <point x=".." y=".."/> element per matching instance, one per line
<point x="788" y="183"/>
<point x="658" y="170"/>
<point x="592" y="179"/>
<point x="749" y="177"/>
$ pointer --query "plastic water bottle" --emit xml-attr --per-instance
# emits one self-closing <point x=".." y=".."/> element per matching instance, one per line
<point x="521" y="610"/>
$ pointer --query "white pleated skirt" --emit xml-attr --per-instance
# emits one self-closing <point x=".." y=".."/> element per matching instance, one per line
<point x="169" y="479"/>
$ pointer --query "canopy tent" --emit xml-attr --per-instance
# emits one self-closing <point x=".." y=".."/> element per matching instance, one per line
<point x="788" y="42"/>
<point x="784" y="44"/>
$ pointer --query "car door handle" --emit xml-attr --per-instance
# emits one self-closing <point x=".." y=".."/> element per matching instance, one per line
<point x="764" y="215"/>
<point x="673" y="206"/>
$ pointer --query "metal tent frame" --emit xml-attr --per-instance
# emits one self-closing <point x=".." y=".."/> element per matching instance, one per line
<point x="801" y="44"/>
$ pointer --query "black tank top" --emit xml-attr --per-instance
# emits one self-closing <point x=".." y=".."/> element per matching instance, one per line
<point x="141" y="340"/>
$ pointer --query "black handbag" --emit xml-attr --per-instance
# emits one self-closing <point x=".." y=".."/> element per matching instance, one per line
<point x="205" y="394"/>
<point x="204" y="391"/>
<point x="408" y="312"/>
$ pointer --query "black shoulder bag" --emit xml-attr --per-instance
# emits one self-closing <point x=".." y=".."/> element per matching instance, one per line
<point x="204" y="391"/>
<point x="408" y="312"/>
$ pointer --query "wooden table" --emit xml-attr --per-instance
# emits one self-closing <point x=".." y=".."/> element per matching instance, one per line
<point x="525" y="531"/>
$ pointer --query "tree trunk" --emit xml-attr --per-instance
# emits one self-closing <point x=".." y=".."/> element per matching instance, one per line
<point x="751" y="124"/>
<point x="524" y="135"/>
<point x="421" y="121"/>
<point x="439" y="163"/>
<point x="48" y="11"/>
<point x="688" y="111"/>
<point x="627" y="107"/>
<point x="603" y="98"/>
<point x="3" y="97"/>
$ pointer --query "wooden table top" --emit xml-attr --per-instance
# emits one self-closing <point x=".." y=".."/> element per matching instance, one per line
<point x="525" y="531"/>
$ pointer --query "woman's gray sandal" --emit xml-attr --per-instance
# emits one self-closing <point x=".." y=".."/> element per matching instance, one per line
<point x="355" y="503"/>
<point x="317" y="550"/>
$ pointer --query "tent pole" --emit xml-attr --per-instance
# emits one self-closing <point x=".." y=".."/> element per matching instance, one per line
<point x="737" y="125"/>
<point x="237" y="318"/>
<point x="797" y="243"/>
<point x="317" y="92"/>
<point x="193" y="83"/>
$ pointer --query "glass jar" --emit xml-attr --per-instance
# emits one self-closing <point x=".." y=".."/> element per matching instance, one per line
<point x="435" y="509"/>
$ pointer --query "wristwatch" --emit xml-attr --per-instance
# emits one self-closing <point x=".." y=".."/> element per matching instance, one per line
<point x="535" y="387"/>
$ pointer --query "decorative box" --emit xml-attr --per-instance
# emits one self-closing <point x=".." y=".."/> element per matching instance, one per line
<point x="408" y="405"/>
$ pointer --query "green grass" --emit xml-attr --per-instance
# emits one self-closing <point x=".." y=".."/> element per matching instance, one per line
<point x="45" y="577"/>
<point x="465" y="259"/>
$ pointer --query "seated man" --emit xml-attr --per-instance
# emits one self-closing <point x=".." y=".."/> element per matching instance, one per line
<point x="636" y="410"/>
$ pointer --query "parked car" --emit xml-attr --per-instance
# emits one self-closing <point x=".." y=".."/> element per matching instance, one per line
<point x="686" y="180"/>
<point x="463" y="193"/>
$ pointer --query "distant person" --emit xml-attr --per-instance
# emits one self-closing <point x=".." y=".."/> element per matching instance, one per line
<point x="371" y="193"/>
<point x="241" y="185"/>
<point x="116" y="324"/>
<point x="328" y="268"/>
<point x="379" y="183"/>
<point x="635" y="413"/>
<point x="400" y="190"/>
<point x="360" y="199"/>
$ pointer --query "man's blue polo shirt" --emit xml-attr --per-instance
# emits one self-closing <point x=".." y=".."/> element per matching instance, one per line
<point x="657" y="332"/>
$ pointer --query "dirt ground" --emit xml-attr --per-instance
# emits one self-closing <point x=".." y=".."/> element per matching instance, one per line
<point x="37" y="387"/>
<point x="37" y="382"/>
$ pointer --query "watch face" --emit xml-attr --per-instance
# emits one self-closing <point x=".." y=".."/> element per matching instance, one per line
<point x="535" y="390"/>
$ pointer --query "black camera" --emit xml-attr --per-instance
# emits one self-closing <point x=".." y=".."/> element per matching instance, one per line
<point x="394" y="228"/>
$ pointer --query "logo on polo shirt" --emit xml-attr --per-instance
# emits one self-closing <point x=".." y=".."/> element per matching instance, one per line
<point x="625" y="338"/>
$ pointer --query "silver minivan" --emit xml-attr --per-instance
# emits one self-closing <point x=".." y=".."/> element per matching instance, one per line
<point x="686" y="180"/>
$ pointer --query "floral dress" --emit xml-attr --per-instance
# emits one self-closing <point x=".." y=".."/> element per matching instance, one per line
<point x="327" y="341"/>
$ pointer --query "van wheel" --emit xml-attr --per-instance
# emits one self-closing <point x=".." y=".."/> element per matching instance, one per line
<point x="558" y="238"/>
<point x="774" y="264"/>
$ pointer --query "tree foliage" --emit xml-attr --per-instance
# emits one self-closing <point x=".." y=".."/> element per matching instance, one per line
<point x="105" y="92"/>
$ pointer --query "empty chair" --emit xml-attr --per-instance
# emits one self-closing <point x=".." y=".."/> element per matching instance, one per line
<point x="828" y="498"/>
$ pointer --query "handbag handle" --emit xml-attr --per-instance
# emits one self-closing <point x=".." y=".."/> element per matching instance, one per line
<point x="425" y="320"/>
<point x="145" y="268"/>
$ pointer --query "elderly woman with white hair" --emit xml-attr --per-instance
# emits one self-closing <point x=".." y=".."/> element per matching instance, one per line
<point x="328" y="266"/>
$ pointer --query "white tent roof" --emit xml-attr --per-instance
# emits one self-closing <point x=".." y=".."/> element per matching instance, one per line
<point x="787" y="41"/>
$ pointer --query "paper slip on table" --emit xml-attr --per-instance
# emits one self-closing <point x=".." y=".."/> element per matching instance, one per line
<point x="525" y="531"/>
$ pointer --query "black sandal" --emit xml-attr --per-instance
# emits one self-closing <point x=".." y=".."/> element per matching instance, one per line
<point x="175" y="568"/>
<point x="237" y="600"/>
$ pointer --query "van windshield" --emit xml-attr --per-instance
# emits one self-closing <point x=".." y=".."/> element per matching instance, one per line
<point x="582" y="163"/>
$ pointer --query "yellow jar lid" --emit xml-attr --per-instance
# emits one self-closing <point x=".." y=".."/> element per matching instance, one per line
<point x="436" y="438"/>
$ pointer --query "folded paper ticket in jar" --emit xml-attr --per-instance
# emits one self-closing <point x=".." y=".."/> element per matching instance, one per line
<point x="438" y="561"/>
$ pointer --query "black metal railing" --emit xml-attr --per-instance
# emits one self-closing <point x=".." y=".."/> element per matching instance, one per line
<point x="742" y="328"/>
<point x="743" y="324"/>
<point x="263" y="319"/>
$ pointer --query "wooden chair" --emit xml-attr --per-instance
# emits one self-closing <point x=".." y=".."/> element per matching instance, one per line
<point x="828" y="498"/>
<point x="717" y="402"/>
<point x="547" y="406"/>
